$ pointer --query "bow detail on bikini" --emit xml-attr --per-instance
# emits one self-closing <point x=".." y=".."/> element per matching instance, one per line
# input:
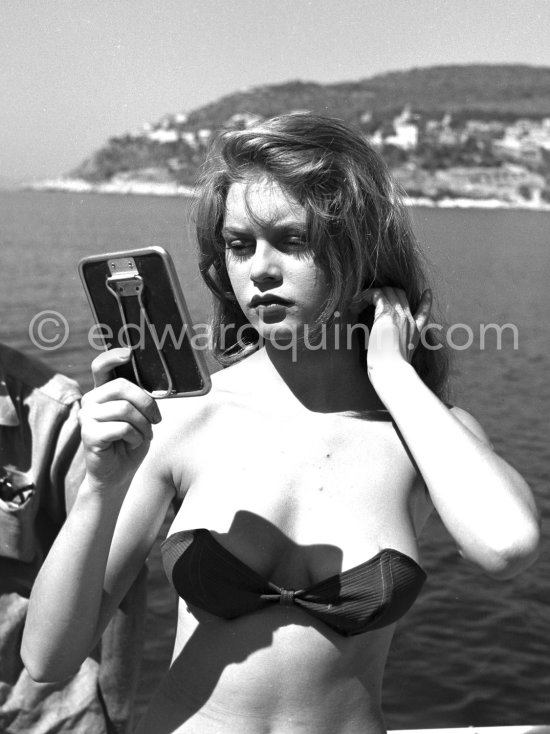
<point x="285" y="597"/>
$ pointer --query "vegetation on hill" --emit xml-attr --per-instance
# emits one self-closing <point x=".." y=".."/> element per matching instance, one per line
<point x="436" y="126"/>
<point x="472" y="91"/>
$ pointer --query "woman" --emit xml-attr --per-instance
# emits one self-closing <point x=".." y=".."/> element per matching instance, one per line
<point x="305" y="476"/>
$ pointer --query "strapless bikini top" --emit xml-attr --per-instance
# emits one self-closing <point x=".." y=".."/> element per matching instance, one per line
<point x="373" y="594"/>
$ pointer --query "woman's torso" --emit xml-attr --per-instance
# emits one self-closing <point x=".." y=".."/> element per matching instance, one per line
<point x="297" y="497"/>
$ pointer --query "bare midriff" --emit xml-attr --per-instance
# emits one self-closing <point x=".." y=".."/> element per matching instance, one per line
<point x="277" y="671"/>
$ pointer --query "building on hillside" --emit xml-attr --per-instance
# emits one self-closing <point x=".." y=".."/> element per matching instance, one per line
<point x="441" y="132"/>
<point x="405" y="134"/>
<point x="525" y="140"/>
<point x="163" y="135"/>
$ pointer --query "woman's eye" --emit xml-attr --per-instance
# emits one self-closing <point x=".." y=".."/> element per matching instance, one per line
<point x="239" y="248"/>
<point x="298" y="246"/>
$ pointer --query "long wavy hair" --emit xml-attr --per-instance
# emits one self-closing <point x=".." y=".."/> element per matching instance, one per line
<point x="358" y="228"/>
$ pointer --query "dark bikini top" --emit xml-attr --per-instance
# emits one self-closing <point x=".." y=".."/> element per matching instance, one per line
<point x="373" y="594"/>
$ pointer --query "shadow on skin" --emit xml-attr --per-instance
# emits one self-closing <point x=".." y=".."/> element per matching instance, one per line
<point x="219" y="643"/>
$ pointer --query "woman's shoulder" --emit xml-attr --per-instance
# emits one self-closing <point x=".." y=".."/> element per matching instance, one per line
<point x="230" y="387"/>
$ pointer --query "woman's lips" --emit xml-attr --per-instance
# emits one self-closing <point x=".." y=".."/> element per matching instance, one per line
<point x="271" y="310"/>
<point x="270" y="300"/>
<point x="274" y="305"/>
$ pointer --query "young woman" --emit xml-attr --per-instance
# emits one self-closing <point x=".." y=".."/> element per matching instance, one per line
<point x="307" y="473"/>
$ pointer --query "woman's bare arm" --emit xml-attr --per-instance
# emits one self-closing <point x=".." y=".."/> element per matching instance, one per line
<point x="106" y="538"/>
<point x="485" y="504"/>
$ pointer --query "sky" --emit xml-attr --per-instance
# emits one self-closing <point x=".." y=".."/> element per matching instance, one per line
<point x="74" y="73"/>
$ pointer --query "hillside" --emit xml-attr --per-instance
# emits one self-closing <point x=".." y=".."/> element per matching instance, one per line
<point x="472" y="91"/>
<point x="475" y="131"/>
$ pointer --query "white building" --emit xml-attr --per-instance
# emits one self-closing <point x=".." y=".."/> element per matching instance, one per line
<point x="406" y="132"/>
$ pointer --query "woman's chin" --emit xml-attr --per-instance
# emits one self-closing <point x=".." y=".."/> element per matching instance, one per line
<point x="279" y="335"/>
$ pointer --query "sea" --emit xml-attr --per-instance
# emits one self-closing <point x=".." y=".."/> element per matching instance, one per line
<point x="473" y="651"/>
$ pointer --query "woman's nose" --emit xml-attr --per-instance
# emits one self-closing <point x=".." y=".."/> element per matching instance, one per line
<point x="265" y="264"/>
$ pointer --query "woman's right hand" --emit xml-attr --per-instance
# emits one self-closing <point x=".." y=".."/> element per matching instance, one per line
<point x="116" y="420"/>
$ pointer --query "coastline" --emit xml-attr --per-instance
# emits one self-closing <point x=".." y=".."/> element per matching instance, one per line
<point x="465" y="203"/>
<point x="115" y="186"/>
<point x="123" y="186"/>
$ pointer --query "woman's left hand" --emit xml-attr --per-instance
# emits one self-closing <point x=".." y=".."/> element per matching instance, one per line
<point x="396" y="332"/>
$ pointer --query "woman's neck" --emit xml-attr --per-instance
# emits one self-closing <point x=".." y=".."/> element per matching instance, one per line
<point x="325" y="380"/>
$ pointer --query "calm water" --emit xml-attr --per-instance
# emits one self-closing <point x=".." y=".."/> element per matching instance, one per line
<point x="472" y="651"/>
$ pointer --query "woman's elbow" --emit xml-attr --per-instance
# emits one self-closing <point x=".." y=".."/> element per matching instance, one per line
<point x="514" y="554"/>
<point x="40" y="669"/>
<point x="37" y="672"/>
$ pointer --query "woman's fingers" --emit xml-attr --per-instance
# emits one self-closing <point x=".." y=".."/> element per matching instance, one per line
<point x="373" y="296"/>
<point x="115" y="419"/>
<point x="396" y="298"/>
<point x="123" y="390"/>
<point x="101" y="435"/>
<point x="121" y="411"/>
<point x="107" y="388"/>
<point x="369" y="297"/>
<point x="116" y="409"/>
<point x="422" y="315"/>
<point x="104" y="364"/>
<point x="393" y="312"/>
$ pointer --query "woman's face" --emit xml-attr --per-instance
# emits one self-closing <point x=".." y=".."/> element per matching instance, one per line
<point x="274" y="276"/>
